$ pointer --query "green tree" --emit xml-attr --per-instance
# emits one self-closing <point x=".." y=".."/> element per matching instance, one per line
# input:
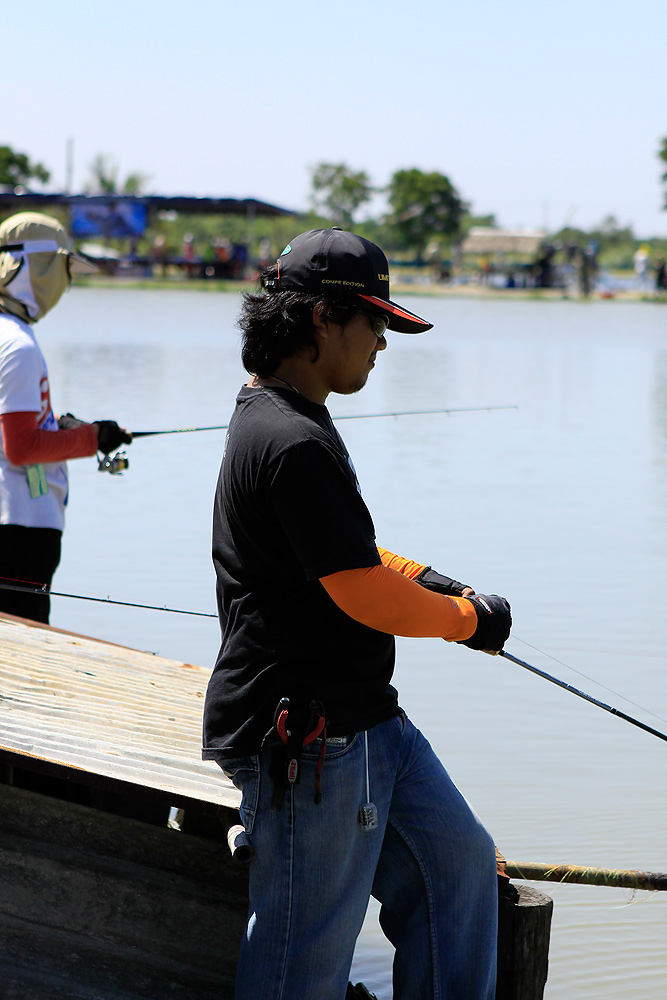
<point x="609" y="234"/>
<point x="423" y="207"/>
<point x="16" y="168"/>
<point x="663" y="156"/>
<point x="339" y="192"/>
<point x="104" y="178"/>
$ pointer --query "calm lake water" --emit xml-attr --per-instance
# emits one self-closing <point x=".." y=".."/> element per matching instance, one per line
<point x="560" y="505"/>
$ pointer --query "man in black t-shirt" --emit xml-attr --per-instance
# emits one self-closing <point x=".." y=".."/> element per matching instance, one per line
<point x="342" y="796"/>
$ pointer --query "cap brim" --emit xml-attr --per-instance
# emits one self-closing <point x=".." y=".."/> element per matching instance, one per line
<point x="400" y="320"/>
<point x="81" y="265"/>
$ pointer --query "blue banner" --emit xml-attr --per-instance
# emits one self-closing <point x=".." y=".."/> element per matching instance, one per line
<point x="118" y="219"/>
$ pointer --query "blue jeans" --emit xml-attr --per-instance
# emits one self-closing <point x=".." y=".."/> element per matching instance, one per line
<point x="430" y="863"/>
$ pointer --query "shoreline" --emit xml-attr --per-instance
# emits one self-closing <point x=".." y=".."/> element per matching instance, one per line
<point x="427" y="289"/>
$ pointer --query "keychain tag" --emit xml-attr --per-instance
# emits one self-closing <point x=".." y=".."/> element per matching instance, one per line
<point x="368" y="816"/>
<point x="37" y="484"/>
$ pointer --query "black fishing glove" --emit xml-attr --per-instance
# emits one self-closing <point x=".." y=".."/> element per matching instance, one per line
<point x="110" y="436"/>
<point x="67" y="422"/>
<point x="431" y="580"/>
<point x="494" y="622"/>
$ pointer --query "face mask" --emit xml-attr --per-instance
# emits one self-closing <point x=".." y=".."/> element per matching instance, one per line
<point x="33" y="283"/>
<point x="35" y="263"/>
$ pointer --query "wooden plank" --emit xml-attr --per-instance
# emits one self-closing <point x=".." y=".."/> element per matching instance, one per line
<point x="104" y="713"/>
<point x="94" y="905"/>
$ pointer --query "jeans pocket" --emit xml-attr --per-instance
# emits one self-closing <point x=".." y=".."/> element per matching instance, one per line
<point x="243" y="772"/>
<point x="335" y="748"/>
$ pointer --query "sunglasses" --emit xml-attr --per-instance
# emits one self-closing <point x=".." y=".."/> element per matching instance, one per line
<point x="378" y="323"/>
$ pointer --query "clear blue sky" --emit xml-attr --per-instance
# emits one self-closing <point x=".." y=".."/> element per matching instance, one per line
<point x="541" y="113"/>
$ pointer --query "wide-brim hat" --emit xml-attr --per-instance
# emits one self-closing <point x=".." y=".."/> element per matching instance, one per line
<point x="36" y="264"/>
<point x="333" y="261"/>
<point x="32" y="232"/>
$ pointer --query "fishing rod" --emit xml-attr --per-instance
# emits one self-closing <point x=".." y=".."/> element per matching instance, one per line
<point x="582" y="694"/>
<point x="44" y="589"/>
<point x="346" y="416"/>
<point x="622" y="878"/>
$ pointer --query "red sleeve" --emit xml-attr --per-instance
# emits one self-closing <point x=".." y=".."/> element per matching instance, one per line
<point x="390" y="602"/>
<point x="25" y="444"/>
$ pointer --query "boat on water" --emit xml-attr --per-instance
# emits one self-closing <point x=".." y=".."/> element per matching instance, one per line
<point x="103" y="893"/>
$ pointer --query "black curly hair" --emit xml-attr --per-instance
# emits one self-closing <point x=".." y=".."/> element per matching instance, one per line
<point x="276" y="325"/>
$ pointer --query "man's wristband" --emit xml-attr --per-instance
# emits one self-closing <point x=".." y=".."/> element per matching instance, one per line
<point x="431" y="580"/>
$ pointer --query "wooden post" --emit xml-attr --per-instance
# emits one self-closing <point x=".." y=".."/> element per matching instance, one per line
<point x="524" y="923"/>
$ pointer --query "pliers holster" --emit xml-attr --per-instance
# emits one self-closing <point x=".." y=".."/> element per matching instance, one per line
<point x="295" y="730"/>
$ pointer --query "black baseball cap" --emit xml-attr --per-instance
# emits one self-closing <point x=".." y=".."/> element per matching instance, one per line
<point x="332" y="260"/>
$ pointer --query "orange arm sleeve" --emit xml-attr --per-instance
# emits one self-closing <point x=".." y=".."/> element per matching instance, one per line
<point x="390" y="602"/>
<point x="406" y="567"/>
<point x="25" y="443"/>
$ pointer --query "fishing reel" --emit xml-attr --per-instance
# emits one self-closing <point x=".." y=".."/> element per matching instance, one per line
<point x="113" y="464"/>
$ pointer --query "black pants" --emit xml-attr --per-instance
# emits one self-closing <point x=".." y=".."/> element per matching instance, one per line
<point x="28" y="556"/>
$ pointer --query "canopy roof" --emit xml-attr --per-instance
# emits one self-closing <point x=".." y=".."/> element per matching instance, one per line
<point x="11" y="202"/>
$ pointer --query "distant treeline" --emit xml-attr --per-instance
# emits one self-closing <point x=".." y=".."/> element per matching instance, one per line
<point x="425" y="219"/>
<point x="266" y="238"/>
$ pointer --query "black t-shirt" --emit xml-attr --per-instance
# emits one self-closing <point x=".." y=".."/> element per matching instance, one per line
<point x="288" y="511"/>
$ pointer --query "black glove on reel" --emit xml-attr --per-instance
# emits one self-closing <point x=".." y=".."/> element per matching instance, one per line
<point x="68" y="422"/>
<point x="110" y="436"/>
<point x="494" y="621"/>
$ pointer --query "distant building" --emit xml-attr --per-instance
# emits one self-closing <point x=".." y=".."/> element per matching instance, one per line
<point x="490" y="240"/>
